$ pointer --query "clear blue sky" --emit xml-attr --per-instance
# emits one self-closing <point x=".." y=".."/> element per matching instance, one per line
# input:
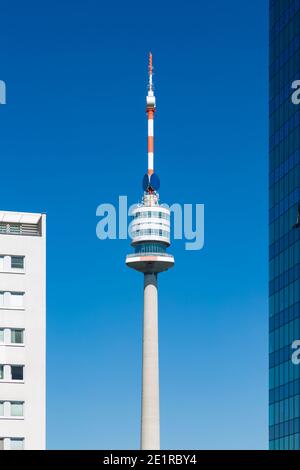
<point x="72" y="136"/>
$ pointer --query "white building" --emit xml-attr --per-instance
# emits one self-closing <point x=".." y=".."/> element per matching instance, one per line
<point x="22" y="330"/>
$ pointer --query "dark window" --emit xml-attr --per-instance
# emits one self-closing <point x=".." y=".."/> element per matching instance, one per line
<point x="17" y="262"/>
<point x="17" y="336"/>
<point x="17" y="372"/>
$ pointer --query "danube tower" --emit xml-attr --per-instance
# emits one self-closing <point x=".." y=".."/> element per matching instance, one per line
<point x="150" y="232"/>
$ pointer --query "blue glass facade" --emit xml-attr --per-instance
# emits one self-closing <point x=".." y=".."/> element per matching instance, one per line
<point x="284" y="236"/>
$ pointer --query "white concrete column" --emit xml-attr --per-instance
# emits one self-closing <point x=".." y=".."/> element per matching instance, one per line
<point x="7" y="372"/>
<point x="7" y="263"/>
<point x="6" y="443"/>
<point x="7" y="336"/>
<point x="7" y="408"/>
<point x="150" y="433"/>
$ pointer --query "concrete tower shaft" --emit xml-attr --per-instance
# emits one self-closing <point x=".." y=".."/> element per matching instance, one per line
<point x="150" y="432"/>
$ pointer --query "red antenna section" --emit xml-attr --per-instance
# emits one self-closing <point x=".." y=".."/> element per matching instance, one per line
<point x="151" y="106"/>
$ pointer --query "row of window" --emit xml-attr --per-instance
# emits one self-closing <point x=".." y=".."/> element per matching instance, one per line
<point x="11" y="409"/>
<point x="285" y="55"/>
<point x="284" y="410"/>
<point x="11" y="299"/>
<point x="290" y="200"/>
<point x="11" y="263"/>
<point x="282" y="355"/>
<point x="284" y="336"/>
<point x="11" y="443"/>
<point x="151" y="214"/>
<point x="278" y="18"/>
<point x="11" y="372"/>
<point x="285" y="260"/>
<point x="281" y="102"/>
<point x="284" y="168"/>
<point x="284" y="391"/>
<point x="150" y="248"/>
<point x="283" y="113"/>
<point x="281" y="41"/>
<point x="284" y="279"/>
<point x="284" y="429"/>
<point x="284" y="150"/>
<point x="283" y="243"/>
<point x="286" y="185"/>
<point x="284" y="74"/>
<point x="11" y="336"/>
<point x="285" y="316"/>
<point x="283" y="224"/>
<point x="150" y="231"/>
<point x="291" y="442"/>
<point x="287" y="147"/>
<point x="284" y="373"/>
<point x="284" y="298"/>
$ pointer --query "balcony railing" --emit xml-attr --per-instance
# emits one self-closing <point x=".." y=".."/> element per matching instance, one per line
<point x="20" y="229"/>
<point x="134" y="255"/>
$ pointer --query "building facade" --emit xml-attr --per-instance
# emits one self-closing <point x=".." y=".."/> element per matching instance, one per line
<point x="284" y="224"/>
<point x="22" y="330"/>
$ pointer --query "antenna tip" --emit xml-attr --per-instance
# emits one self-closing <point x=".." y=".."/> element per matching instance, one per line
<point x="150" y="62"/>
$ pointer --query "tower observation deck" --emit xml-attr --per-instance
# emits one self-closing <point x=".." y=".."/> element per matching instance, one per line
<point x="150" y="232"/>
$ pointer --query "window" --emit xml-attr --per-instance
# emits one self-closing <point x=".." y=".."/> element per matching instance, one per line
<point x="16" y="372"/>
<point x="1" y="263"/>
<point x="1" y="408"/>
<point x="16" y="444"/>
<point x="16" y="408"/>
<point x="1" y="336"/>
<point x="1" y="443"/>
<point x="17" y="336"/>
<point x="150" y="248"/>
<point x="1" y="372"/>
<point x="11" y="299"/>
<point x="16" y="299"/>
<point x="13" y="228"/>
<point x="17" y="262"/>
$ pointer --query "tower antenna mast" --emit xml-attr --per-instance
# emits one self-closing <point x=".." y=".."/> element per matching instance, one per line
<point x="150" y="109"/>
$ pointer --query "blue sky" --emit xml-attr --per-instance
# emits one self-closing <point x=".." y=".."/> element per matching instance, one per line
<point x="73" y="136"/>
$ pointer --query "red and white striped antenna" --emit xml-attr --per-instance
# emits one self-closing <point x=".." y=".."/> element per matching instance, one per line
<point x="150" y="109"/>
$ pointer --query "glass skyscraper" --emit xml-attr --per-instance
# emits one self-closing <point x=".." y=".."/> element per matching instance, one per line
<point x="284" y="229"/>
